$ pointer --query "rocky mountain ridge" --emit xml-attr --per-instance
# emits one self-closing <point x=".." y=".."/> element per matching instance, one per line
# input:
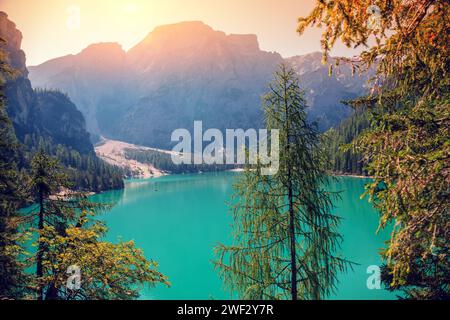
<point x="184" y="72"/>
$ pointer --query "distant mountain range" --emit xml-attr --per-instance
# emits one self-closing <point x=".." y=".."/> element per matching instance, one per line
<point x="185" y="72"/>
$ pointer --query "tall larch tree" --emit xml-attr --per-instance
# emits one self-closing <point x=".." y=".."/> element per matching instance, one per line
<point x="285" y="234"/>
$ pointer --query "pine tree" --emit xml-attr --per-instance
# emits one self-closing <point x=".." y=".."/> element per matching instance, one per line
<point x="285" y="236"/>
<point x="69" y="237"/>
<point x="46" y="180"/>
<point x="407" y="146"/>
<point x="11" y="197"/>
<point x="337" y="144"/>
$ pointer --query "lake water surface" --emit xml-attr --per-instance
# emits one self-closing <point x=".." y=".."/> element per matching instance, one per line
<point x="177" y="220"/>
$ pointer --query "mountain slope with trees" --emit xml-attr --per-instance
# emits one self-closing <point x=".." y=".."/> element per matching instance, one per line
<point x="337" y="143"/>
<point x="49" y="120"/>
<point x="60" y="221"/>
<point x="406" y="147"/>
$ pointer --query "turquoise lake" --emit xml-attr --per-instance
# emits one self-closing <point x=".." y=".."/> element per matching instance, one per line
<point x="177" y="220"/>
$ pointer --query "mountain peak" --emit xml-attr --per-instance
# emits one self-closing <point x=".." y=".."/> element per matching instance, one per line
<point x="192" y="41"/>
<point x="107" y="46"/>
<point x="184" y="26"/>
<point x="105" y="50"/>
<point x="175" y="36"/>
<point x="107" y="55"/>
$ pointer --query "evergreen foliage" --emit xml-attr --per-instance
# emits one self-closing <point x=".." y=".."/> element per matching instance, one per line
<point x="86" y="171"/>
<point x="68" y="236"/>
<point x="336" y="142"/>
<point x="163" y="161"/>
<point x="11" y="196"/>
<point x="285" y="236"/>
<point x="407" y="146"/>
<point x="62" y="221"/>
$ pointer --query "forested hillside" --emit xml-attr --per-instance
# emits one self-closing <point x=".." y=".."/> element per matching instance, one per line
<point x="336" y="141"/>
<point x="406" y="146"/>
<point x="48" y="120"/>
<point x="163" y="161"/>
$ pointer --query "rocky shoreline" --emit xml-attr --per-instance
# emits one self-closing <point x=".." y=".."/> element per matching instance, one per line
<point x="114" y="153"/>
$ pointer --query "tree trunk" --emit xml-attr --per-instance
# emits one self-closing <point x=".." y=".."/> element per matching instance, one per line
<point x="52" y="293"/>
<point x="292" y="240"/>
<point x="294" y="293"/>
<point x="39" y="269"/>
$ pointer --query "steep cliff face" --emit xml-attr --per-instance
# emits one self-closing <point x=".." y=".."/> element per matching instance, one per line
<point x="47" y="114"/>
<point x="48" y="119"/>
<point x="61" y="120"/>
<point x="13" y="37"/>
<point x="21" y="102"/>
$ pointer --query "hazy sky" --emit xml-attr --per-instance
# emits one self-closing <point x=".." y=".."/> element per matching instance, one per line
<point x="52" y="28"/>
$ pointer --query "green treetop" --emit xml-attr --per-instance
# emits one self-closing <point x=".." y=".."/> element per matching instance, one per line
<point x="407" y="146"/>
<point x="69" y="240"/>
<point x="285" y="236"/>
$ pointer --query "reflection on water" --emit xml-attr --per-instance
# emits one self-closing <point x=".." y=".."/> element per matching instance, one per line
<point x="177" y="220"/>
